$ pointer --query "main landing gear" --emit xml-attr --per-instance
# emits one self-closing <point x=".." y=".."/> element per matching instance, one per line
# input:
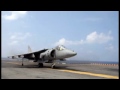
<point x="40" y="64"/>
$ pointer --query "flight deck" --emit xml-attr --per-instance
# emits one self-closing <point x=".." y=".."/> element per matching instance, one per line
<point x="13" y="70"/>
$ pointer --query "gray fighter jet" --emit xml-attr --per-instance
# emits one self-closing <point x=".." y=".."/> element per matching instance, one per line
<point x="47" y="55"/>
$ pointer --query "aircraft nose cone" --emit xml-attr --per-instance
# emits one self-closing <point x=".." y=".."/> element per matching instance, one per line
<point x="74" y="53"/>
<point x="71" y="53"/>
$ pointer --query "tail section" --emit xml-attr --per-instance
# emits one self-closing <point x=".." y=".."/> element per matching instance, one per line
<point x="29" y="49"/>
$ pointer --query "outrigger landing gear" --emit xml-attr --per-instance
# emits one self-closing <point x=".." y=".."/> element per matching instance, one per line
<point x="40" y="64"/>
<point x="22" y="62"/>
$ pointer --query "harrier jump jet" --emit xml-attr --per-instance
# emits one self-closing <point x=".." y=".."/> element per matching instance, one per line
<point x="47" y="55"/>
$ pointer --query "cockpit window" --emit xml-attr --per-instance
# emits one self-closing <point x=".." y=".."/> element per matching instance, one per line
<point x="60" y="48"/>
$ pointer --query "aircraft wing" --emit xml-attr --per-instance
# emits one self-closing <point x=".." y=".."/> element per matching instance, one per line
<point x="30" y="55"/>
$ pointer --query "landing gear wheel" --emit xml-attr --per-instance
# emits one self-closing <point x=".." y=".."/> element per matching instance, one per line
<point x="40" y="64"/>
<point x="53" y="66"/>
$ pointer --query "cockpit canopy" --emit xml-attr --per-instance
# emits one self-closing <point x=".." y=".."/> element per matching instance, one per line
<point x="60" y="47"/>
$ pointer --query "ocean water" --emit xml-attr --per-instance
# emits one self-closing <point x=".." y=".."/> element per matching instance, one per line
<point x="88" y="62"/>
<point x="78" y="61"/>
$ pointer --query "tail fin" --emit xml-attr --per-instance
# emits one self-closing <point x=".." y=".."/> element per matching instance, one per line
<point x="29" y="49"/>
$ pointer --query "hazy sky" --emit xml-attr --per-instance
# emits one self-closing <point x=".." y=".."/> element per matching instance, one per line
<point x="93" y="35"/>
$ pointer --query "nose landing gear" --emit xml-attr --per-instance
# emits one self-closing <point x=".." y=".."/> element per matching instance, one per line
<point x="53" y="66"/>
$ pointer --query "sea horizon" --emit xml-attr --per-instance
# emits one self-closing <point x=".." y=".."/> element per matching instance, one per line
<point x="79" y="61"/>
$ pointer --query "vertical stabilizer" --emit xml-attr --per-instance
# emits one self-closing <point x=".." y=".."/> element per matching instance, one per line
<point x="29" y="49"/>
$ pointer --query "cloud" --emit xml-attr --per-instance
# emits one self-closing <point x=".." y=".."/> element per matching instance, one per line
<point x="93" y="37"/>
<point x="63" y="41"/>
<point x="13" y="42"/>
<point x="15" y="15"/>
<point x="110" y="47"/>
<point x="18" y="37"/>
